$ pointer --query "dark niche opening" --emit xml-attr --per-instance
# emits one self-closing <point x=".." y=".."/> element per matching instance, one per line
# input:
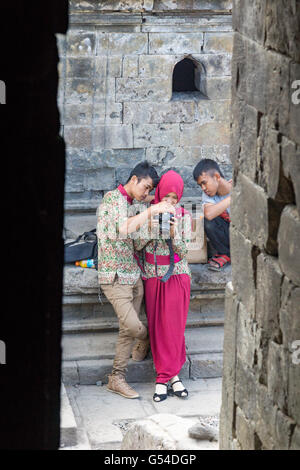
<point x="184" y="76"/>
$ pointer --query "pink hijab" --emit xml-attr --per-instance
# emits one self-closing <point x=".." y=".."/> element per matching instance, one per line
<point x="170" y="182"/>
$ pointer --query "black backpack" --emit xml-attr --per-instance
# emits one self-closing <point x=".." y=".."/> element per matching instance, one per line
<point x="84" y="247"/>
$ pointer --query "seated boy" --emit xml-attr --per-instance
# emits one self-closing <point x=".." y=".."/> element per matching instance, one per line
<point x="216" y="207"/>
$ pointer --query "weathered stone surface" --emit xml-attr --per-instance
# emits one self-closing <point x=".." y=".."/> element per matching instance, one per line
<point x="82" y="67"/>
<point x="130" y="66"/>
<point x="288" y="240"/>
<point x="107" y="113"/>
<point x="265" y="418"/>
<point x="293" y="399"/>
<point x="158" y="65"/>
<point x="217" y="88"/>
<point x="209" y="134"/>
<point x="269" y="151"/>
<point x="245" y="431"/>
<point x="295" y="441"/>
<point x="256" y="73"/>
<point x="143" y="89"/>
<point x="248" y="142"/>
<point x="203" y="432"/>
<point x="249" y="19"/>
<point x="78" y="137"/>
<point x="68" y="426"/>
<point x="284" y="427"/>
<point x="192" y="4"/>
<point x="279" y="86"/>
<point x="70" y="373"/>
<point x="282" y="27"/>
<point x="80" y="43"/>
<point x="78" y="114"/>
<point x="162" y="432"/>
<point x="291" y="167"/>
<point x="245" y="390"/>
<point x="245" y="337"/>
<point x="217" y="42"/>
<point x="278" y="375"/>
<point x="242" y="280"/>
<point x="268" y="277"/>
<point x="229" y="367"/>
<point x="113" y="137"/>
<point x="294" y="105"/>
<point x="289" y="318"/>
<point x="99" y="179"/>
<point x="215" y="64"/>
<point x="153" y="135"/>
<point x="249" y="211"/>
<point x="121" y="44"/>
<point x="172" y="43"/>
<point x="206" y="365"/>
<point x="213" y="111"/>
<point x="79" y="90"/>
<point x="155" y="113"/>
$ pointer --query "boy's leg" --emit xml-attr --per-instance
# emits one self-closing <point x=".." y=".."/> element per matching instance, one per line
<point x="124" y="299"/>
<point x="217" y="230"/>
<point x="141" y="347"/>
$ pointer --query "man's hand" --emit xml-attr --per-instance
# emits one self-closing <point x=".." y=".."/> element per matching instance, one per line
<point x="161" y="207"/>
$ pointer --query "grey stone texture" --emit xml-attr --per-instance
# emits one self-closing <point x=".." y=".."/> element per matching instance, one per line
<point x="261" y="370"/>
<point x="115" y="91"/>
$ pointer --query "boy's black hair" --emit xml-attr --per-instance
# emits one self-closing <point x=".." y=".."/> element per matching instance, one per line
<point x="143" y="170"/>
<point x="206" y="166"/>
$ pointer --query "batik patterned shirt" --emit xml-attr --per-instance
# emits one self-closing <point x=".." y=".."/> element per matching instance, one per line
<point x="179" y="245"/>
<point x="115" y="251"/>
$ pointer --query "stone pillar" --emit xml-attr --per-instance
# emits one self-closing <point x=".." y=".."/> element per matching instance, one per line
<point x="261" y="376"/>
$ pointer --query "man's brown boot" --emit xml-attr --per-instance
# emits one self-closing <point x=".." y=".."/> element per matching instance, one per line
<point x="140" y="350"/>
<point x="118" y="384"/>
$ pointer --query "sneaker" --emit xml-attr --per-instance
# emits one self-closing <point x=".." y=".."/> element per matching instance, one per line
<point x="118" y="384"/>
<point x="140" y="350"/>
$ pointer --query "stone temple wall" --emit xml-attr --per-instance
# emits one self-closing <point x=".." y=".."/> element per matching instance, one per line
<point x="115" y="95"/>
<point x="261" y="376"/>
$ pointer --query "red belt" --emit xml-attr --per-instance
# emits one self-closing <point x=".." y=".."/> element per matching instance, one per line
<point x="162" y="260"/>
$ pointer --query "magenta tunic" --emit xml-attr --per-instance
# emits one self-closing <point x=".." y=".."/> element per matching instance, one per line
<point x="167" y="306"/>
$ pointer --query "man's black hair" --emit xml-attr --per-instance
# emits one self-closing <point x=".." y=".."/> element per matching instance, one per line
<point x="143" y="170"/>
<point x="206" y="166"/>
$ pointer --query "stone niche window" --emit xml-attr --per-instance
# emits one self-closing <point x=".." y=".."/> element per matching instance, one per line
<point x="188" y="79"/>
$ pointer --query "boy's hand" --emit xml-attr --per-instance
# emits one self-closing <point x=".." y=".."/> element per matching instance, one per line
<point x="161" y="207"/>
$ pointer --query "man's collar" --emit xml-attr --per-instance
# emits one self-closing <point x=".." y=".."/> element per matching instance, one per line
<point x="124" y="193"/>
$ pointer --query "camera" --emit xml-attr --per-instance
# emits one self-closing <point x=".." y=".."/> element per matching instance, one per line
<point x="164" y="219"/>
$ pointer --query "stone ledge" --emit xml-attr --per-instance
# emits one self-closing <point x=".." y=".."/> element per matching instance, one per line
<point x="84" y="280"/>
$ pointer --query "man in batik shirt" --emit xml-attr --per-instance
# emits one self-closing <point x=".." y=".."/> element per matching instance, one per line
<point x="119" y="274"/>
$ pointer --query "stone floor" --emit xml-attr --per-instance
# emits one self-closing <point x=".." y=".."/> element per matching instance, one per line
<point x="103" y="417"/>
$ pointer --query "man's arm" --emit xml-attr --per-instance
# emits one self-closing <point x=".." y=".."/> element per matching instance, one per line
<point x="211" y="211"/>
<point x="132" y="224"/>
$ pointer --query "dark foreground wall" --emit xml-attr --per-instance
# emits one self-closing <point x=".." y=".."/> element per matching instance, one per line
<point x="261" y="381"/>
<point x="32" y="183"/>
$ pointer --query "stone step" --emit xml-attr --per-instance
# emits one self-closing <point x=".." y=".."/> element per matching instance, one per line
<point x="83" y="281"/>
<point x="85" y="345"/>
<point x="88" y="372"/>
<point x="194" y="320"/>
<point x="68" y="425"/>
<point x="78" y="308"/>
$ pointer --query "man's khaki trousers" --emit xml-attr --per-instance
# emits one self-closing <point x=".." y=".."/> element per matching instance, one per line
<point x="126" y="300"/>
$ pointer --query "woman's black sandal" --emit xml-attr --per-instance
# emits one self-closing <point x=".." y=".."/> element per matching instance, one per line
<point x="179" y="392"/>
<point x="161" y="396"/>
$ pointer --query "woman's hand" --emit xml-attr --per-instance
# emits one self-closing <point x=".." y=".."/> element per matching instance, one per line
<point x="173" y="228"/>
<point x="161" y="207"/>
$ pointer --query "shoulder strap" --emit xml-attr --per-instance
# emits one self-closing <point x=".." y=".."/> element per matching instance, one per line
<point x="83" y="235"/>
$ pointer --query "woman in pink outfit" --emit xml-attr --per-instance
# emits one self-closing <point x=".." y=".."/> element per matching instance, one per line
<point x="167" y="290"/>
